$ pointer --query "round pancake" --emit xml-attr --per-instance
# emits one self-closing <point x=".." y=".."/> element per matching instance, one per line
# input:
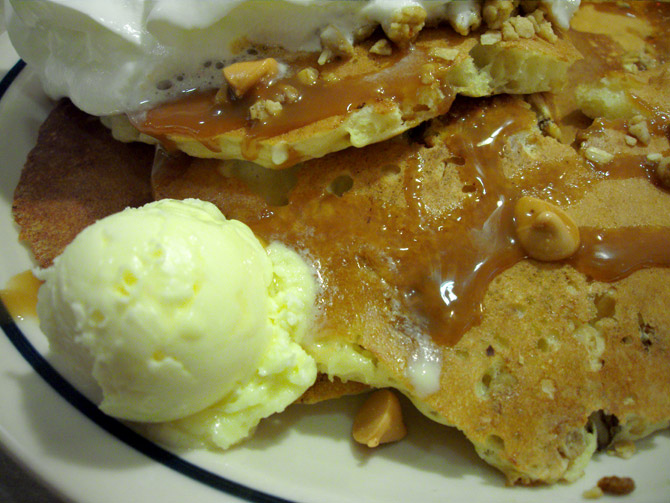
<point x="74" y="176"/>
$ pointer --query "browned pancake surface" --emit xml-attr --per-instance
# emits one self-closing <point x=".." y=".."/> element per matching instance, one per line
<point x="74" y="176"/>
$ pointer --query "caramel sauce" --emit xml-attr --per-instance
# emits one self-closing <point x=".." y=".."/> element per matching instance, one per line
<point x="20" y="295"/>
<point x="435" y="267"/>
<point x="612" y="254"/>
<point x="200" y="117"/>
<point x="421" y="269"/>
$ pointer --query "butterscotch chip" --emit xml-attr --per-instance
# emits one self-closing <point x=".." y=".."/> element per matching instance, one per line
<point x="379" y="420"/>
<point x="616" y="485"/>
<point x="544" y="230"/>
<point x="242" y="76"/>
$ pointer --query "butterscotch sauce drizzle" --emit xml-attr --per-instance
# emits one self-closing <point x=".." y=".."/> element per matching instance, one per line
<point x="440" y="266"/>
<point x="612" y="254"/>
<point x="20" y="295"/>
<point x="198" y="116"/>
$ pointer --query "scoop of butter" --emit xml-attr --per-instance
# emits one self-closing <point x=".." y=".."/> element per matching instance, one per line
<point x="172" y="308"/>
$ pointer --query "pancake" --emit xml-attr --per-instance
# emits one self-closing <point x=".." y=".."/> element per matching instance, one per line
<point x="561" y="348"/>
<point x="75" y="175"/>
<point x="361" y="99"/>
<point x="426" y="289"/>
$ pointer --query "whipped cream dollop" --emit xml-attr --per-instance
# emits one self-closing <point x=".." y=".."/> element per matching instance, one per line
<point x="116" y="57"/>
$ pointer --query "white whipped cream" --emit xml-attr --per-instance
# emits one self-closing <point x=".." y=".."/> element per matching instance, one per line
<point x="118" y="56"/>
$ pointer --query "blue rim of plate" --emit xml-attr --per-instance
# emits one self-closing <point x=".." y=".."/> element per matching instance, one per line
<point x="109" y="424"/>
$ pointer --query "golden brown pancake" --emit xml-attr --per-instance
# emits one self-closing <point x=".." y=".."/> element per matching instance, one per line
<point x="74" y="176"/>
<point x="360" y="100"/>
<point x="413" y="240"/>
<point x="557" y="342"/>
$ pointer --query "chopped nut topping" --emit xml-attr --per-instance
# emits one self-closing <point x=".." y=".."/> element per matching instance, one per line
<point x="405" y="24"/>
<point x="496" y="12"/>
<point x="542" y="26"/>
<point x="517" y="27"/>
<point x="382" y="47"/>
<point x="630" y="140"/>
<point x="241" y="77"/>
<point x="593" y="494"/>
<point x="544" y="230"/>
<point x="544" y="116"/>
<point x="639" y="129"/>
<point x="616" y="485"/>
<point x="264" y="109"/>
<point x="334" y="44"/>
<point x="623" y="449"/>
<point x="308" y="76"/>
<point x="490" y="38"/>
<point x="379" y="420"/>
<point x="597" y="155"/>
<point x="287" y="94"/>
<point x="444" y="53"/>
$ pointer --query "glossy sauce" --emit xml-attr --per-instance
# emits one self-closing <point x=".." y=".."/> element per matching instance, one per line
<point x="198" y="116"/>
<point x="20" y="295"/>
<point x="433" y="268"/>
<point x="428" y="271"/>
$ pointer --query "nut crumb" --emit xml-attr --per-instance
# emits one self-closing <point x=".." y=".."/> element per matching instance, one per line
<point x="542" y="26"/>
<point x="593" y="494"/>
<point x="630" y="140"/>
<point x="490" y="38"/>
<point x="308" y="76"/>
<point x="382" y="47"/>
<point x="405" y="24"/>
<point x="287" y="94"/>
<point x="496" y="12"/>
<point x="616" y="485"/>
<point x="639" y="129"/>
<point x="597" y="155"/>
<point x="517" y="27"/>
<point x="654" y="157"/>
<point x="623" y="449"/>
<point x="444" y="53"/>
<point x="264" y="109"/>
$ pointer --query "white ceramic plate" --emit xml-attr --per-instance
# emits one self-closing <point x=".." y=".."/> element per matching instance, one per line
<point x="304" y="455"/>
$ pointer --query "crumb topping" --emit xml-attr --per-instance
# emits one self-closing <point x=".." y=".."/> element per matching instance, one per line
<point x="405" y="24"/>
<point x="264" y="109"/>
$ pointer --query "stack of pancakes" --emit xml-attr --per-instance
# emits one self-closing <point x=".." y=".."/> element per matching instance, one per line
<point x="424" y="287"/>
